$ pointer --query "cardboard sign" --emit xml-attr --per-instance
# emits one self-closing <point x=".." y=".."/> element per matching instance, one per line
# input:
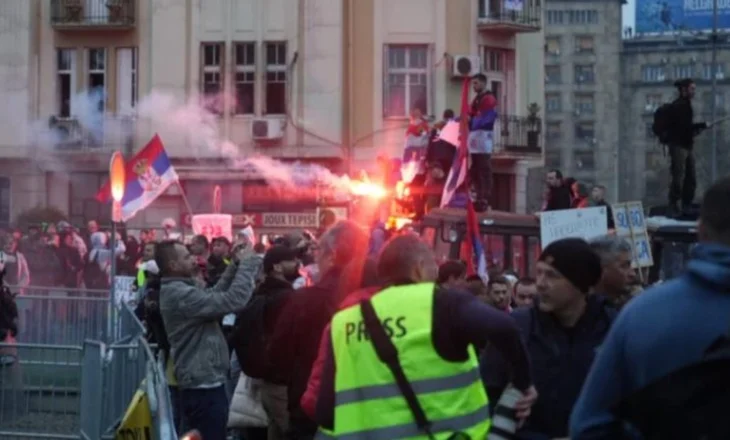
<point x="213" y="225"/>
<point x="631" y="224"/>
<point x="585" y="223"/>
<point x="123" y="290"/>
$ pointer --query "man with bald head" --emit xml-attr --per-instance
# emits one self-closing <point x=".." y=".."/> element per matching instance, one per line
<point x="435" y="333"/>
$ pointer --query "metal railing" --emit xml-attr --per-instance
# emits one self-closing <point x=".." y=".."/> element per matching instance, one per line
<point x="61" y="316"/>
<point x="516" y="134"/>
<point x="78" y="388"/>
<point x="93" y="12"/>
<point x="494" y="13"/>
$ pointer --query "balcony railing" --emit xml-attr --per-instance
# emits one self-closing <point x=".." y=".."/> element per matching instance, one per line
<point x="518" y="135"/>
<point x="114" y="14"/>
<point x="510" y="16"/>
<point x="100" y="135"/>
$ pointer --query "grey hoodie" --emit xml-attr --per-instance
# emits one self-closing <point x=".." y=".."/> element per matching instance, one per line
<point x="192" y="321"/>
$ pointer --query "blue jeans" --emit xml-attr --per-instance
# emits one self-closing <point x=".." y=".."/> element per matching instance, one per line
<point x="206" y="409"/>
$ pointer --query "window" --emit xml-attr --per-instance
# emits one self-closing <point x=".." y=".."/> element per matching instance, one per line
<point x="66" y="81"/>
<point x="555" y="17"/>
<point x="553" y="129"/>
<point x="585" y="131"/>
<point x="584" y="74"/>
<point x="683" y="71"/>
<point x="4" y="202"/>
<point x="553" y="159"/>
<point x="96" y="84"/>
<point x="244" y="56"/>
<point x="707" y="71"/>
<point x="553" y="74"/>
<point x="126" y="79"/>
<point x="584" y="160"/>
<point x="211" y="76"/>
<point x="649" y="130"/>
<point x="652" y="73"/>
<point x="653" y="101"/>
<point x="406" y="80"/>
<point x="584" y="44"/>
<point x="276" y="78"/>
<point x="552" y="45"/>
<point x="553" y="102"/>
<point x="494" y="60"/>
<point x="584" y="103"/>
<point x="582" y="17"/>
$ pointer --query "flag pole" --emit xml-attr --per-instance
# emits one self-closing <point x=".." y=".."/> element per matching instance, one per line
<point x="184" y="197"/>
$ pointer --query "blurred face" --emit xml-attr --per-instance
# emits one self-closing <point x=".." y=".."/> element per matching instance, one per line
<point x="428" y="269"/>
<point x="416" y="114"/>
<point x="618" y="275"/>
<point x="289" y="270"/>
<point x="478" y="85"/>
<point x="479" y="289"/>
<point x="10" y="246"/>
<point x="575" y="189"/>
<point x="691" y="90"/>
<point x="552" y="180"/>
<point x="54" y="240"/>
<point x="525" y="294"/>
<point x="92" y="226"/>
<point x="220" y="249"/>
<point x="17" y="235"/>
<point x="184" y="265"/>
<point x="149" y="252"/>
<point x="499" y="295"/>
<point x="556" y="293"/>
<point x="69" y="240"/>
<point x="597" y="194"/>
<point x="198" y="247"/>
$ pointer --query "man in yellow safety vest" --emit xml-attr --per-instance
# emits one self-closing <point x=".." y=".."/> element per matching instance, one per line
<point x="425" y="336"/>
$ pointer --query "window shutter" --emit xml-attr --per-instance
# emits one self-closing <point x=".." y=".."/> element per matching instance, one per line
<point x="124" y="80"/>
<point x="386" y="85"/>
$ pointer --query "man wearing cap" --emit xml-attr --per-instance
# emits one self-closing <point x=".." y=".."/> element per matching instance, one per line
<point x="254" y="327"/>
<point x="680" y="139"/>
<point x="562" y="333"/>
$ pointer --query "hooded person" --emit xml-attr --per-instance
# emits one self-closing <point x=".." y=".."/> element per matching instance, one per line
<point x="565" y="327"/>
<point x="97" y="270"/>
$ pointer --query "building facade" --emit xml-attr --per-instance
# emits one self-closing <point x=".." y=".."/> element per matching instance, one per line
<point x="651" y="64"/>
<point x="582" y="85"/>
<point x="329" y="83"/>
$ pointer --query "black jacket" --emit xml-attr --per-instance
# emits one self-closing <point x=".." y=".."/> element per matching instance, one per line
<point x="683" y="129"/>
<point x="560" y="360"/>
<point x="559" y="198"/>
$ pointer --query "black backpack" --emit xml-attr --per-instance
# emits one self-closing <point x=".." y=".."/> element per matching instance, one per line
<point x="8" y="311"/>
<point x="662" y="124"/>
<point x="94" y="276"/>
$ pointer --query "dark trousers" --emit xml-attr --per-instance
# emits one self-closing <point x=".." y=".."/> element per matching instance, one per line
<point x="683" y="178"/>
<point x="480" y="174"/>
<point x="206" y="409"/>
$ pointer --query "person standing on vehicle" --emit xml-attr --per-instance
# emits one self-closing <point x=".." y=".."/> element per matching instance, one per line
<point x="191" y="317"/>
<point x="680" y="140"/>
<point x="663" y="330"/>
<point x="482" y="117"/>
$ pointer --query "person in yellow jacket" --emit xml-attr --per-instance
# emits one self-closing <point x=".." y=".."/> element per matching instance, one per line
<point x="436" y="334"/>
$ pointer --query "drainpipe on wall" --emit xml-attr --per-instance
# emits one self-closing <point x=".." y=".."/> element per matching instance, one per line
<point x="227" y="89"/>
<point x="350" y="88"/>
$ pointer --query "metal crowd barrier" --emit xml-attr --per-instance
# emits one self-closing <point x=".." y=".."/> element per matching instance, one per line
<point x="61" y="380"/>
<point x="59" y="316"/>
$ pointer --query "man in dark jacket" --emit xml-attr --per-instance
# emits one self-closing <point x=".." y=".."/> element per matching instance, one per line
<point x="295" y="343"/>
<point x="558" y="192"/>
<point x="680" y="140"/>
<point x="562" y="333"/>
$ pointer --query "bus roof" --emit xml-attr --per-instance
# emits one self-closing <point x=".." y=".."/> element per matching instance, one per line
<point x="659" y="222"/>
<point x="507" y="222"/>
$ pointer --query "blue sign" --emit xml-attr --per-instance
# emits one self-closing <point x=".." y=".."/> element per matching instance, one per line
<point x="661" y="16"/>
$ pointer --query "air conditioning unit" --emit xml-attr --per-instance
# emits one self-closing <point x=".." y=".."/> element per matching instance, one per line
<point x="267" y="129"/>
<point x="465" y="66"/>
<point x="649" y="108"/>
<point x="720" y="75"/>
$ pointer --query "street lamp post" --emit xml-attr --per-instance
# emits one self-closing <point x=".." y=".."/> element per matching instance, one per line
<point x="117" y="183"/>
<point x="713" y="67"/>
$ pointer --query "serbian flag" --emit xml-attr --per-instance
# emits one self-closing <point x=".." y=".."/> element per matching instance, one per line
<point x="148" y="175"/>
<point x="474" y="250"/>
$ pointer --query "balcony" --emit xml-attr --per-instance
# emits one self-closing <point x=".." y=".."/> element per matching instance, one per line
<point x="93" y="14"/>
<point x="509" y="16"/>
<point x="518" y="135"/>
<point x="102" y="134"/>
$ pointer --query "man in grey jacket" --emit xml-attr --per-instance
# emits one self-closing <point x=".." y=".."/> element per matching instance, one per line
<point x="192" y="320"/>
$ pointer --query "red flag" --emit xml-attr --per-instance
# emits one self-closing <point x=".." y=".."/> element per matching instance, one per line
<point x="468" y="250"/>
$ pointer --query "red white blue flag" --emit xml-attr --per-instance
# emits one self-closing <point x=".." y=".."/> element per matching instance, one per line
<point x="148" y="175"/>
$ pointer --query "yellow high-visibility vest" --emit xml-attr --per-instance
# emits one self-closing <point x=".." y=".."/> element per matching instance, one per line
<point x="368" y="402"/>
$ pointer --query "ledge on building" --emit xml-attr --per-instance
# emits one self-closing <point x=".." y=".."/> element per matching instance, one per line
<point x="93" y="14"/>
<point x="518" y="135"/>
